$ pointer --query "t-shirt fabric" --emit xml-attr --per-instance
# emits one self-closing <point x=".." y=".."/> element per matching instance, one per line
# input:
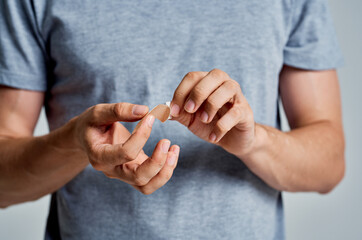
<point x="81" y="53"/>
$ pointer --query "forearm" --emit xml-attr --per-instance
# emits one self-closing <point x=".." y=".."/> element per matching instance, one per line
<point x="32" y="167"/>
<point x="310" y="158"/>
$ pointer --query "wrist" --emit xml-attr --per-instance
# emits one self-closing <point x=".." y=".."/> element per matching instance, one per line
<point x="65" y="138"/>
<point x="257" y="145"/>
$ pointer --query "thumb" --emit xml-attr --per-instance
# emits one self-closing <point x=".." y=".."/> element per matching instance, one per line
<point x="114" y="112"/>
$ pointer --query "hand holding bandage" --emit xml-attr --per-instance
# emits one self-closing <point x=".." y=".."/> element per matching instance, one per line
<point x="113" y="150"/>
<point x="213" y="107"/>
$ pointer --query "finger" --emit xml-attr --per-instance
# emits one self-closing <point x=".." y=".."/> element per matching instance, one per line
<point x="164" y="174"/>
<point x="203" y="89"/>
<point x="150" y="168"/>
<point x="113" y="112"/>
<point x="238" y="114"/>
<point x="117" y="154"/>
<point x="126" y="171"/>
<point x="135" y="143"/>
<point x="224" y="94"/>
<point x="183" y="90"/>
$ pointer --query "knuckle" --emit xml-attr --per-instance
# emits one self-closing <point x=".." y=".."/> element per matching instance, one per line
<point x="95" y="111"/>
<point x="221" y="127"/>
<point x="146" y="190"/>
<point x="198" y="93"/>
<point x="96" y="108"/>
<point x="128" y="154"/>
<point x="217" y="71"/>
<point x="220" y="73"/>
<point x="89" y="109"/>
<point x="118" y="109"/>
<point x="212" y="103"/>
<point x="165" y="175"/>
<point x="179" y="94"/>
<point x="89" y="112"/>
<point x="191" y="75"/>
<point x="233" y="83"/>
<point x="140" y="181"/>
<point x="157" y="162"/>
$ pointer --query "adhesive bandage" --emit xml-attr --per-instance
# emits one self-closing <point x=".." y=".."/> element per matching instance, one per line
<point x="161" y="112"/>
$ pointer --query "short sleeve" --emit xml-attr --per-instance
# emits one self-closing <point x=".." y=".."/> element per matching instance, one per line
<point x="312" y="42"/>
<point x="23" y="59"/>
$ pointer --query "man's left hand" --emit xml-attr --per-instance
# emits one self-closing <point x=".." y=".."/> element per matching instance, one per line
<point x="213" y="107"/>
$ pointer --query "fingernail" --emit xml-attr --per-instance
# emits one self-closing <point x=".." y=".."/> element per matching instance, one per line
<point x="176" y="149"/>
<point x="150" y="120"/>
<point x="175" y="110"/>
<point x="139" y="110"/>
<point x="165" y="146"/>
<point x="204" y="117"/>
<point x="190" y="105"/>
<point x="212" y="137"/>
<point x="171" y="160"/>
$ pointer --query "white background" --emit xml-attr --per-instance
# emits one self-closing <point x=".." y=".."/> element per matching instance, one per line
<point x="337" y="215"/>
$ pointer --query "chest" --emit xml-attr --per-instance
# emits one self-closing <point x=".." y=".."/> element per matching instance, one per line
<point x="140" y="32"/>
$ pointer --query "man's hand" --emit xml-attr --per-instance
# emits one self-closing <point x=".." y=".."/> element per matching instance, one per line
<point x="308" y="158"/>
<point x="31" y="167"/>
<point x="118" y="154"/>
<point x="213" y="107"/>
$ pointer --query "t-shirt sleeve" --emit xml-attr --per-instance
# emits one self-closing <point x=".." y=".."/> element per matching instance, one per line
<point x="23" y="58"/>
<point x="312" y="42"/>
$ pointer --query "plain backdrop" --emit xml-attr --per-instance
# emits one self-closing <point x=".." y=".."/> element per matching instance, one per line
<point x="337" y="215"/>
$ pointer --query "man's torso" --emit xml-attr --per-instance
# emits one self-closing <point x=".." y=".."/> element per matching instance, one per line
<point x="138" y="52"/>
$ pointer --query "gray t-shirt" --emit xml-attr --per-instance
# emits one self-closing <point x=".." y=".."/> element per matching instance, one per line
<point x="82" y="53"/>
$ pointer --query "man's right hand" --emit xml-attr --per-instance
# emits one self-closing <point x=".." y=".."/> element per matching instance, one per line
<point x="31" y="167"/>
<point x="112" y="149"/>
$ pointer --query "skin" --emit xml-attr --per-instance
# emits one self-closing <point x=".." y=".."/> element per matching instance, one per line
<point x="308" y="158"/>
<point x="94" y="137"/>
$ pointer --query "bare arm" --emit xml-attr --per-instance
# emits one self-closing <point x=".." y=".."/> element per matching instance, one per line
<point x="308" y="158"/>
<point x="311" y="156"/>
<point x="31" y="167"/>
